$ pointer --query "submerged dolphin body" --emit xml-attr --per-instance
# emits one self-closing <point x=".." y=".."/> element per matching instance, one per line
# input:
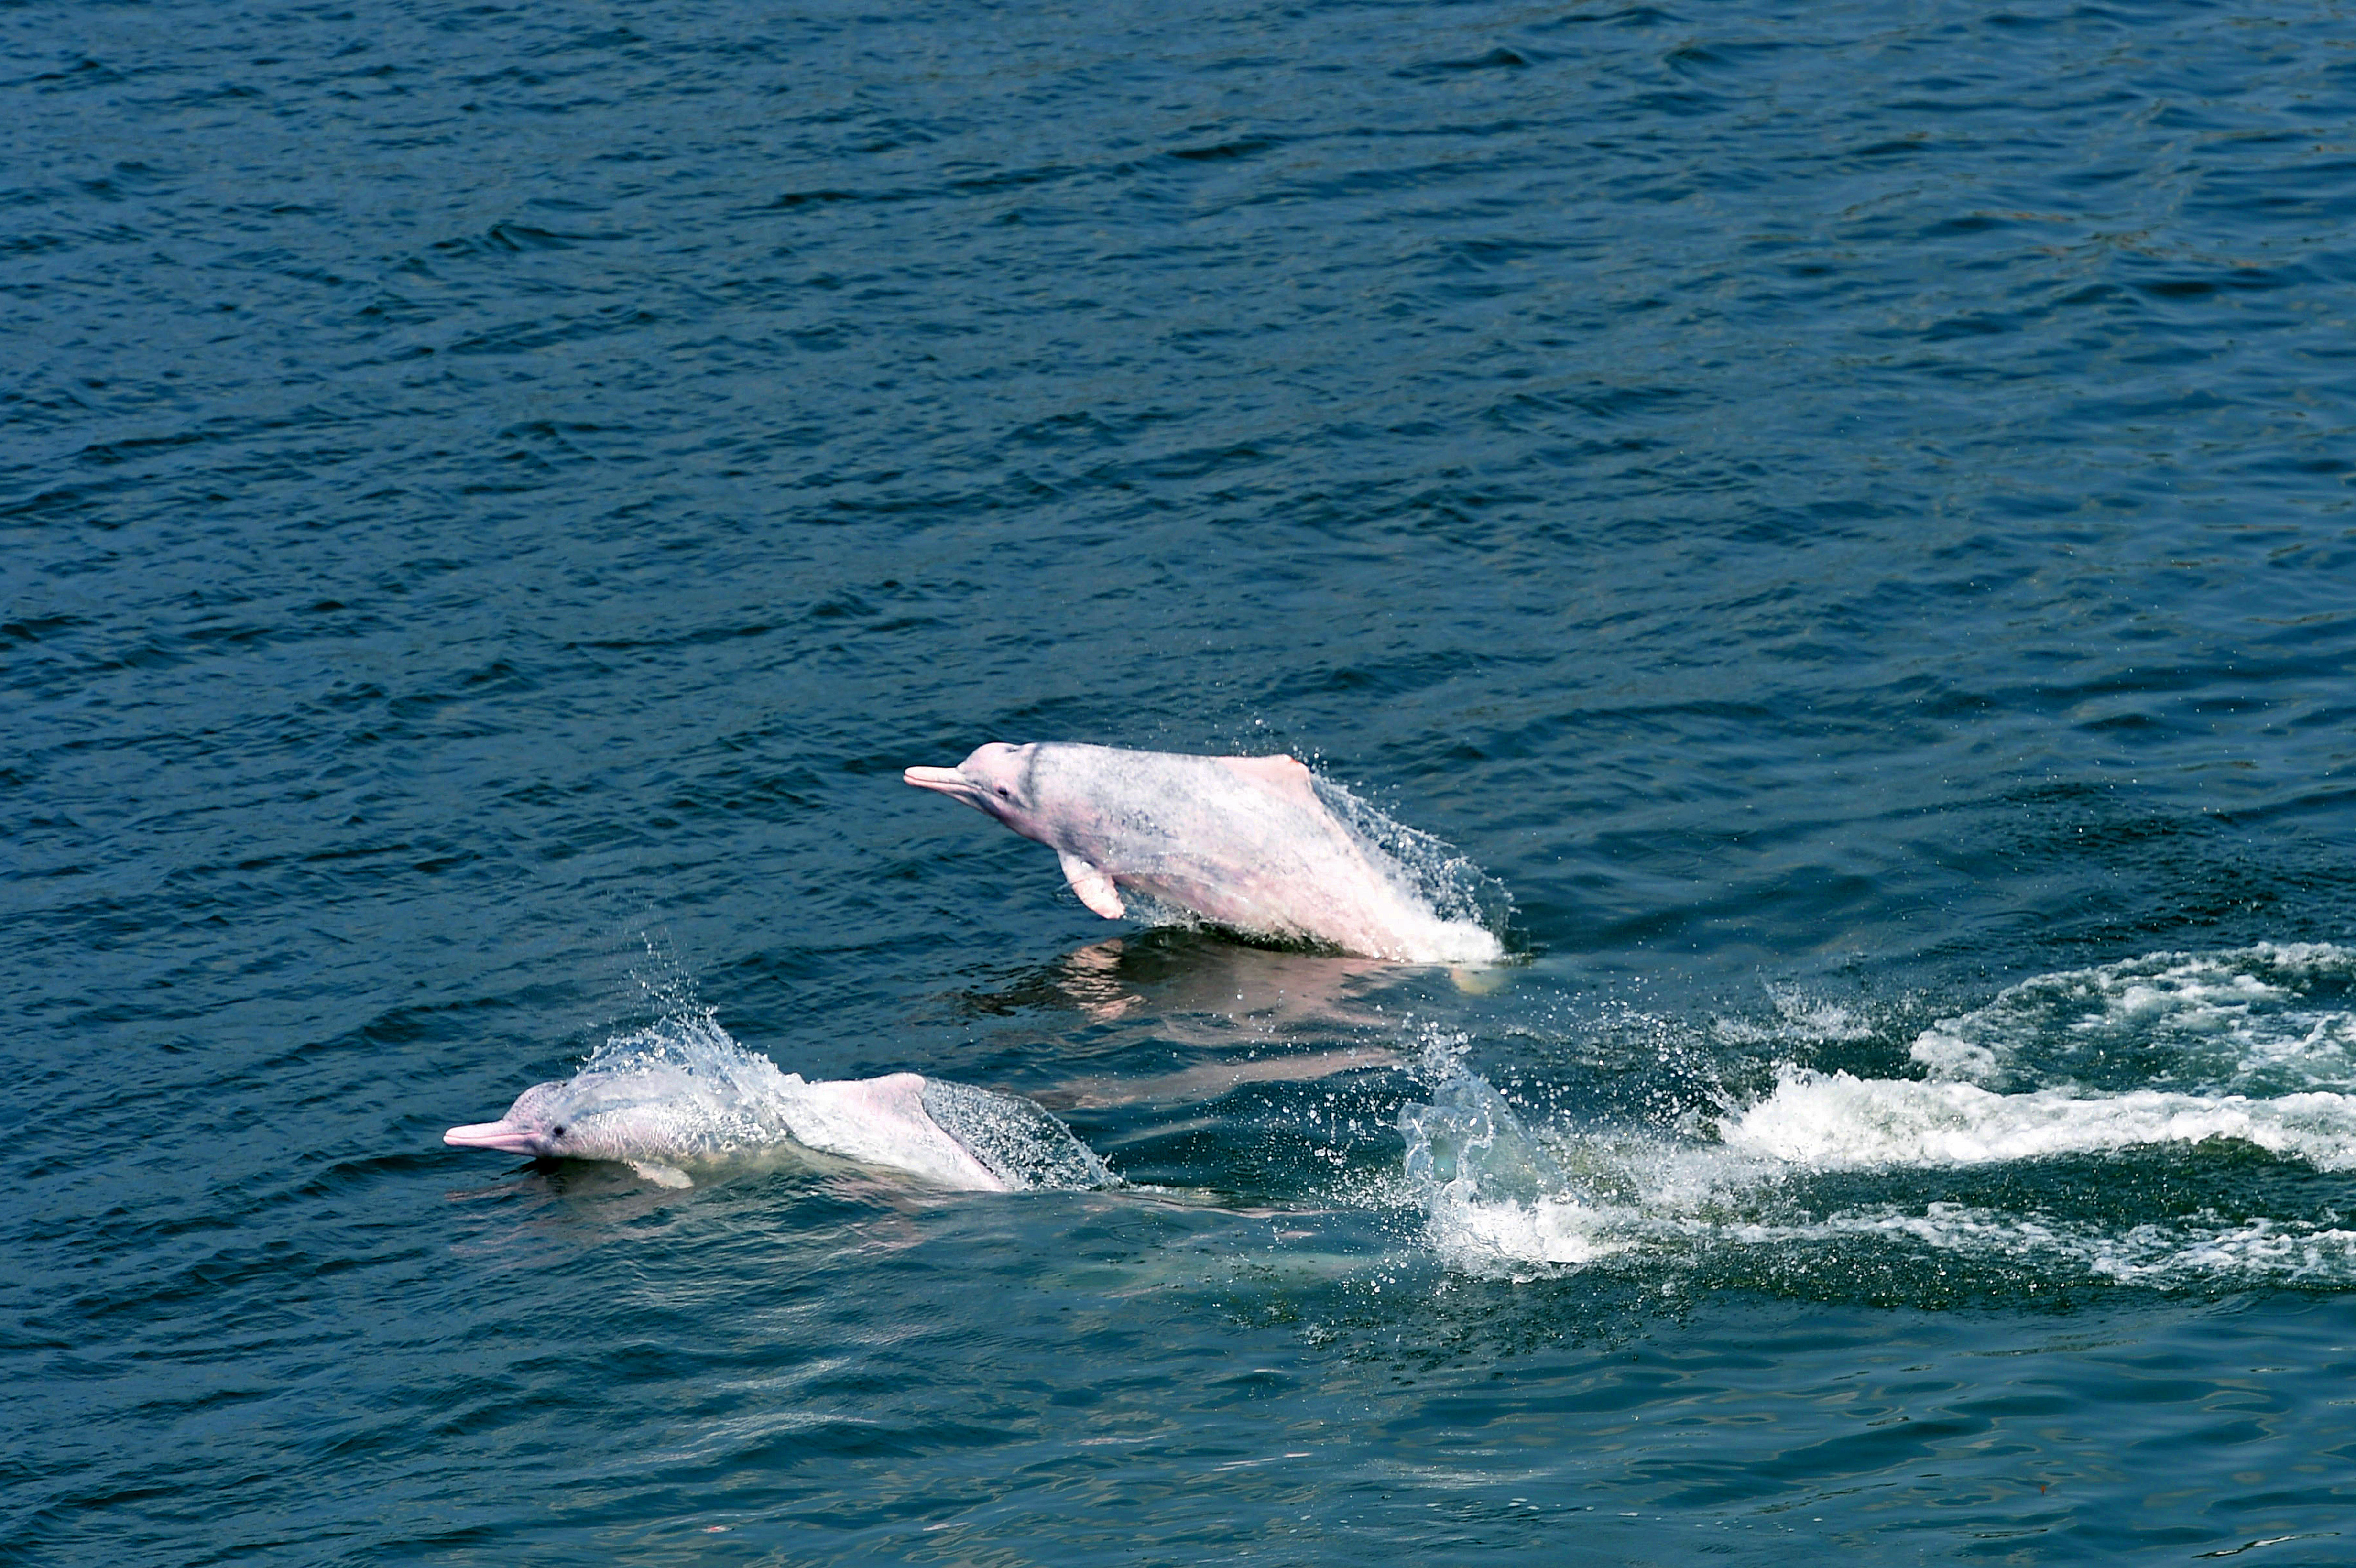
<point x="656" y="1118"/>
<point x="1245" y="842"/>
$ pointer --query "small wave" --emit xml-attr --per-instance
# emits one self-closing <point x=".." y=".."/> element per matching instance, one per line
<point x="2270" y="1018"/>
<point x="1494" y="1193"/>
<point x="2176" y="1253"/>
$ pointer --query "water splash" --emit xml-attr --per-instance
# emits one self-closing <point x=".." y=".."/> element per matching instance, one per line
<point x="1020" y="1143"/>
<point x="1428" y="868"/>
<point x="1494" y="1193"/>
<point x="2241" y="1056"/>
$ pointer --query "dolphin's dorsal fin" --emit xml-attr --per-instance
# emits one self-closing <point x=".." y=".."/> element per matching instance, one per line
<point x="1094" y="888"/>
<point x="1287" y="775"/>
<point x="1278" y="769"/>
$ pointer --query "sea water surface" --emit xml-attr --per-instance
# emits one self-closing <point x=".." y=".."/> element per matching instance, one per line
<point x="1842" y="512"/>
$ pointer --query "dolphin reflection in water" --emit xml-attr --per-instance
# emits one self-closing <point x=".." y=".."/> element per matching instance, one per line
<point x="1209" y="1015"/>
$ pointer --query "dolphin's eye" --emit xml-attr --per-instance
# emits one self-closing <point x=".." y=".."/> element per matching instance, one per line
<point x="557" y="1133"/>
<point x="1005" y="794"/>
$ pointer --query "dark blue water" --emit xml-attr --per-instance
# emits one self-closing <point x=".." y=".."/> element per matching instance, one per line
<point x="1845" y="511"/>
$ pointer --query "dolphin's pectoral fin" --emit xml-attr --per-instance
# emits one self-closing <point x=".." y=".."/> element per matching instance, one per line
<point x="662" y="1175"/>
<point x="1094" y="888"/>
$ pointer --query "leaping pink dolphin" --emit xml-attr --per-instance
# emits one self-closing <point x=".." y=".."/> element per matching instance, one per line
<point x="1244" y="842"/>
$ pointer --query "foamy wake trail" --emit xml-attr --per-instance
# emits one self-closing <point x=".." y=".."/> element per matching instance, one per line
<point x="1836" y="1122"/>
<point x="1501" y="1199"/>
<point x="2254" y="1047"/>
<point x="2255" y="1044"/>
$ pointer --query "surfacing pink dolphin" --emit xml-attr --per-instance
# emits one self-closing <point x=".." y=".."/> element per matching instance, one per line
<point x="657" y="1118"/>
<point x="1244" y="842"/>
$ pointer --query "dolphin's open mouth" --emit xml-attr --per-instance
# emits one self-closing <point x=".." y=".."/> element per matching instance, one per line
<point x="947" y="780"/>
<point x="504" y="1137"/>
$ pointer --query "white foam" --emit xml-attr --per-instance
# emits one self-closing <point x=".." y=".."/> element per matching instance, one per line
<point x="1837" y="1121"/>
<point x="2256" y="1249"/>
<point x="1495" y="1194"/>
<point x="1480" y="1237"/>
<point x="1701" y="1209"/>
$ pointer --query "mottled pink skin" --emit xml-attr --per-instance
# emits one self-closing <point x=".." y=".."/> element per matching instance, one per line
<point x="1242" y="841"/>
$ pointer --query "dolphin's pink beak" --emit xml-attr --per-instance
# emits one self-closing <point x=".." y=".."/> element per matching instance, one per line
<point x="948" y="781"/>
<point x="504" y="1137"/>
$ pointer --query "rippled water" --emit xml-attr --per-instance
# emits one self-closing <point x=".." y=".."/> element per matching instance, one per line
<point x="1844" y="512"/>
